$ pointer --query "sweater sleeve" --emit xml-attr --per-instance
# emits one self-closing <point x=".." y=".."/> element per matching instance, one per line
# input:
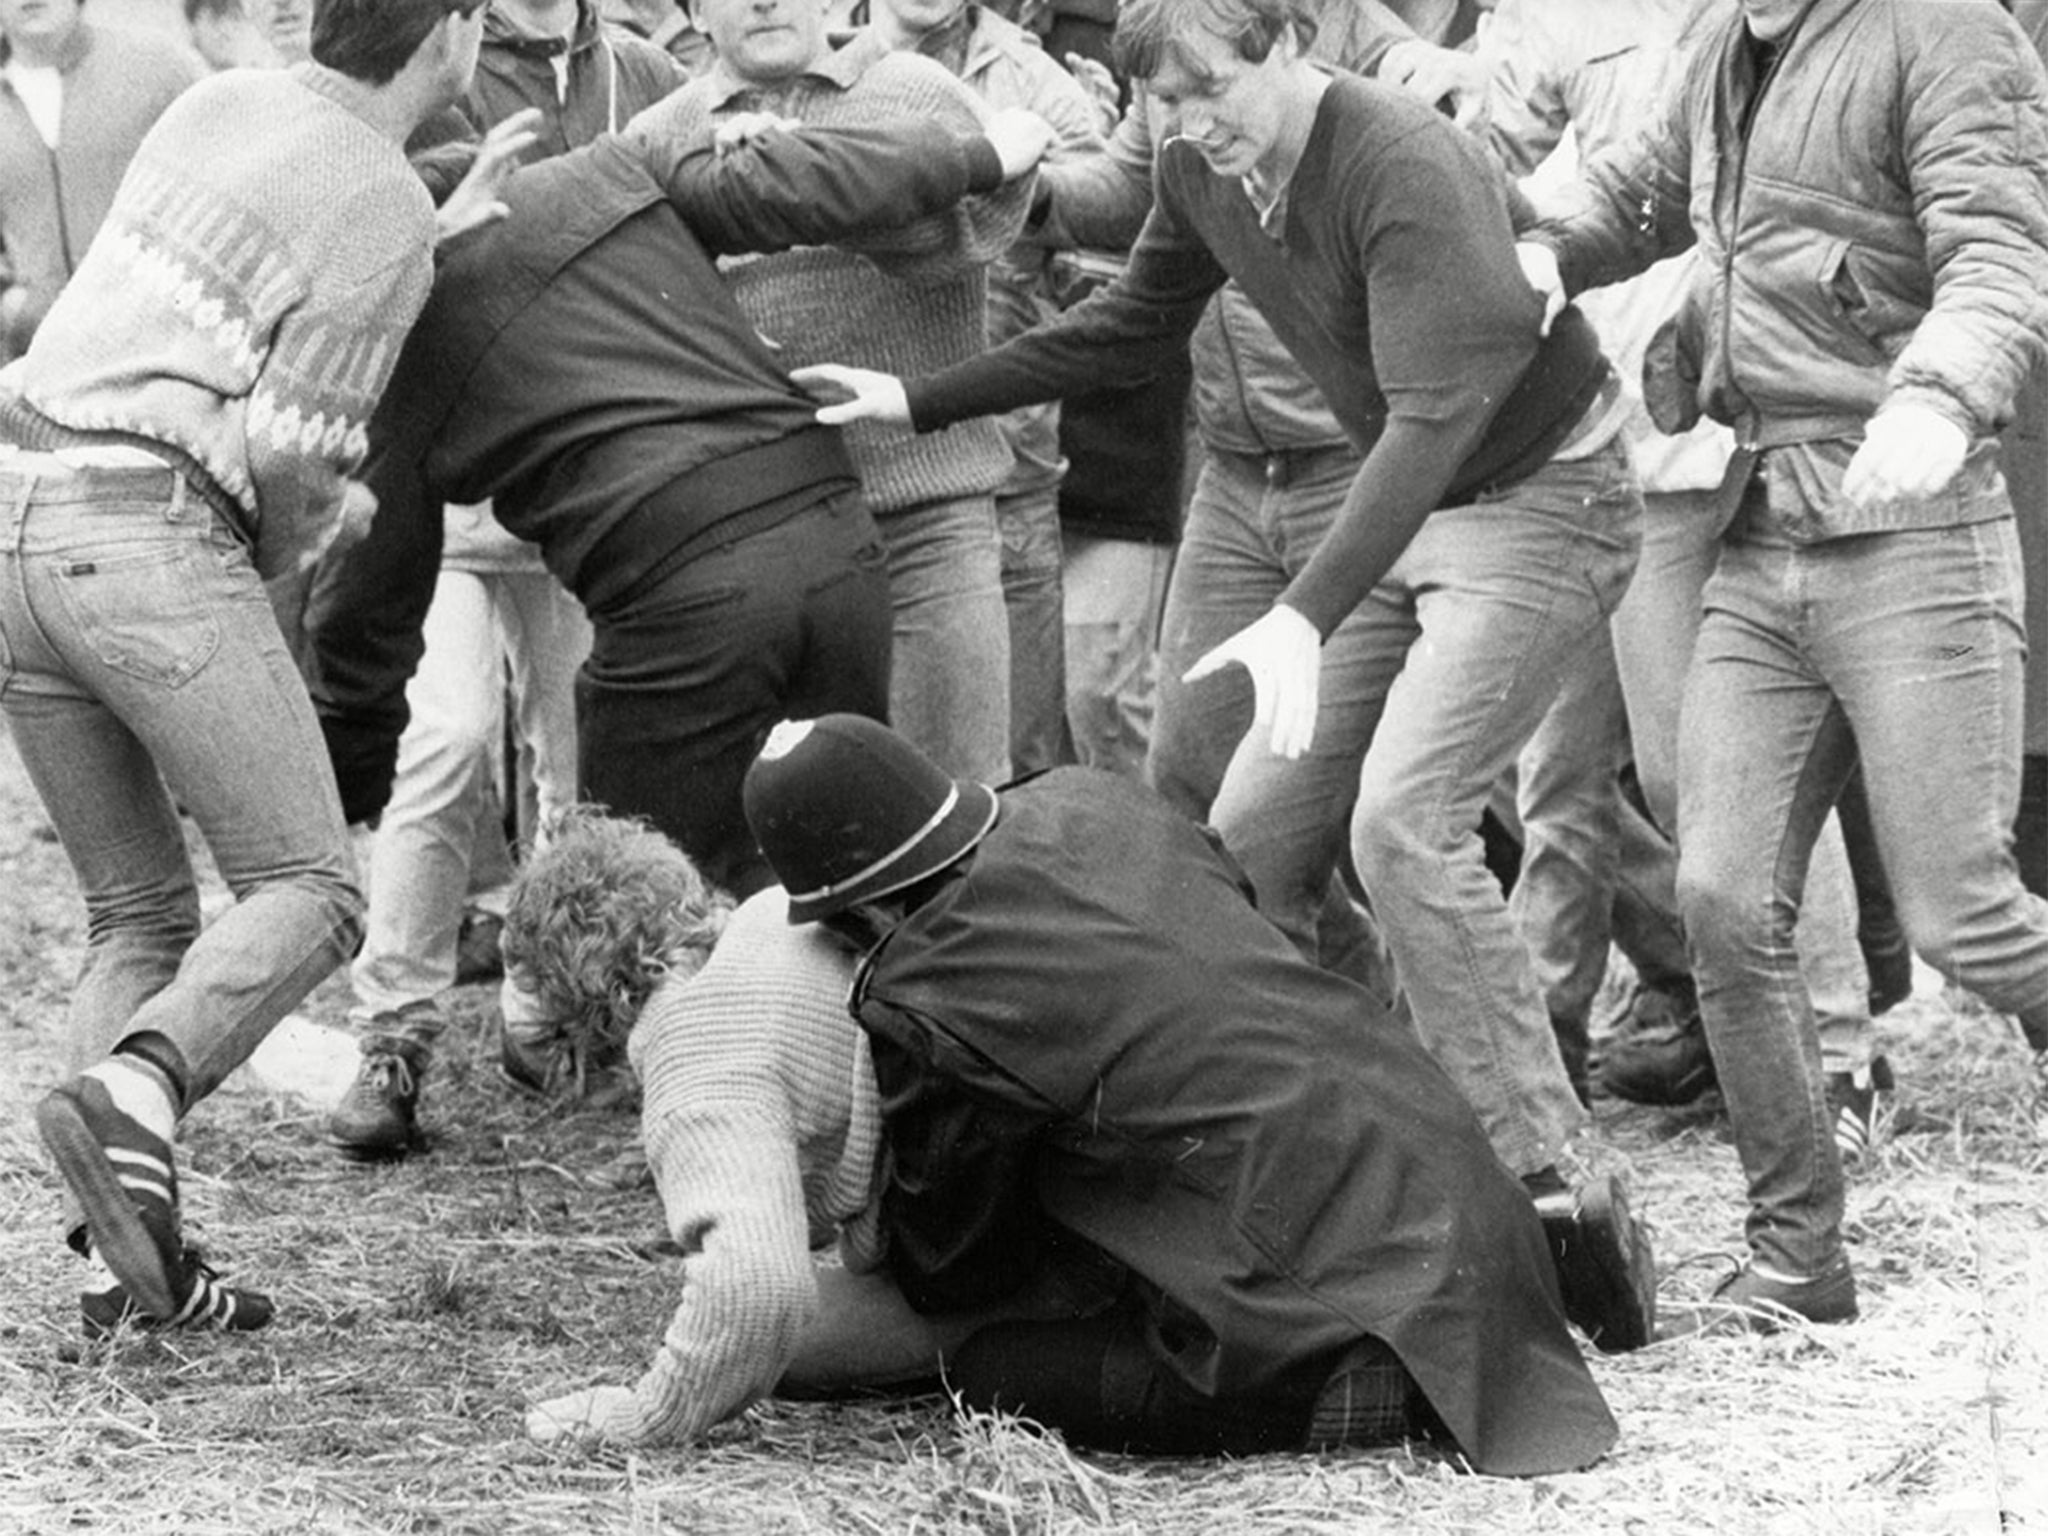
<point x="975" y="230"/>
<point x="729" y="1182"/>
<point x="306" y="428"/>
<point x="1124" y="334"/>
<point x="813" y="185"/>
<point x="1101" y="200"/>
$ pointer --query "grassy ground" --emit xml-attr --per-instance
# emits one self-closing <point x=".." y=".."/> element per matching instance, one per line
<point x="423" y="1306"/>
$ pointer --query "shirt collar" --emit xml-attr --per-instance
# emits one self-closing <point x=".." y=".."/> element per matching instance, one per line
<point x="837" y="70"/>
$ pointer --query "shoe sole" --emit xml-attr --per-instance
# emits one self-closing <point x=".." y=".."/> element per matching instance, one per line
<point x="1608" y="1272"/>
<point x="1715" y="1318"/>
<point x="1665" y="1095"/>
<point x="366" y="1152"/>
<point x="119" y="1235"/>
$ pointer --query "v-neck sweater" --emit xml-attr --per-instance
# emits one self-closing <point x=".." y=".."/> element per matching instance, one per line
<point x="1393" y="282"/>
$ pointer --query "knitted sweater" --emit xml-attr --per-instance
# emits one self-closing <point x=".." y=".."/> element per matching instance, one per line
<point x="762" y="1129"/>
<point x="1395" y="287"/>
<point x="910" y="314"/>
<point x="246" y="299"/>
<point x="52" y="201"/>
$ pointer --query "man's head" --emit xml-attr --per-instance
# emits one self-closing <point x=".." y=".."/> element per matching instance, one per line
<point x="288" y="25"/>
<point x="1222" y="71"/>
<point x="599" y="917"/>
<point x="905" y="21"/>
<point x="765" y="41"/>
<point x="38" y="31"/>
<point x="848" y="811"/>
<point x="374" y="41"/>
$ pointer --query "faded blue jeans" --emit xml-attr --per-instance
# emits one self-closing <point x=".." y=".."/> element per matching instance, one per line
<point x="1908" y="646"/>
<point x="1429" y="689"/>
<point x="1114" y="591"/>
<point x="143" y="673"/>
<point x="949" y="690"/>
<point x="1655" y="631"/>
<point x="482" y="625"/>
<point x="1252" y="523"/>
<point x="1029" y="524"/>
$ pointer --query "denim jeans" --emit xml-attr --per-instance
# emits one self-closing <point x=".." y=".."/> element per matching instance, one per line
<point x="1029" y="523"/>
<point x="1566" y="794"/>
<point x="1655" y="631"/>
<point x="949" y="691"/>
<point x="1908" y="648"/>
<point x="421" y="860"/>
<point x="1252" y="524"/>
<point x="1114" y="590"/>
<point x="687" y="678"/>
<point x="1429" y="689"/>
<point x="143" y="673"/>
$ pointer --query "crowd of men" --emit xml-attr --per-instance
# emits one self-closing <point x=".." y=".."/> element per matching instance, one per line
<point x="685" y="439"/>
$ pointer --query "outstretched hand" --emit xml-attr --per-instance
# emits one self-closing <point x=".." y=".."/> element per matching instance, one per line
<point x="478" y="199"/>
<point x="1284" y="655"/>
<point x="592" y="1414"/>
<point x="1101" y="86"/>
<point x="854" y="394"/>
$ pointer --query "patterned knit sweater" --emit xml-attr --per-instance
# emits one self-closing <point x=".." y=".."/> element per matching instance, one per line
<point x="246" y="298"/>
<point x="762" y="1129"/>
<point x="907" y="312"/>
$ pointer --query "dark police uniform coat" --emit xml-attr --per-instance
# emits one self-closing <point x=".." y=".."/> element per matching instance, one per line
<point x="1152" y="1067"/>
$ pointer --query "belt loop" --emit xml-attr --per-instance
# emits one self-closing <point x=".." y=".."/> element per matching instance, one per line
<point x="175" y="512"/>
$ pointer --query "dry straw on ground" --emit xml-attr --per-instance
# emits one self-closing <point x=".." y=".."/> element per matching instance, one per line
<point x="423" y="1306"/>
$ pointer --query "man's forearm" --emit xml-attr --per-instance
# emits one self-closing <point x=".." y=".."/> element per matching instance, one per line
<point x="810" y="186"/>
<point x="1400" y="483"/>
<point x="1125" y="334"/>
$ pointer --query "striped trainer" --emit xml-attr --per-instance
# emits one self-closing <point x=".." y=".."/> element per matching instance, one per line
<point x="106" y="1305"/>
<point x="125" y="1181"/>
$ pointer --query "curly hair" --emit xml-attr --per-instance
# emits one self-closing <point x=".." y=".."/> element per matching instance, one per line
<point x="606" y="910"/>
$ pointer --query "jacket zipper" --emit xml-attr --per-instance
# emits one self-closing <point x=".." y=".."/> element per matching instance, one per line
<point x="1755" y="105"/>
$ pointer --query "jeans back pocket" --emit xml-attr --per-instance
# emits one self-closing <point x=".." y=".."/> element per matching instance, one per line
<point x="146" y="611"/>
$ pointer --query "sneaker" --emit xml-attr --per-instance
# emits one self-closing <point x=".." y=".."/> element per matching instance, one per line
<point x="1658" y="1052"/>
<point x="126" y="1183"/>
<point x="477" y="955"/>
<point x="1751" y="1301"/>
<point x="1861" y="1104"/>
<point x="106" y="1306"/>
<point x="378" y="1117"/>
<point x="1605" y="1269"/>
